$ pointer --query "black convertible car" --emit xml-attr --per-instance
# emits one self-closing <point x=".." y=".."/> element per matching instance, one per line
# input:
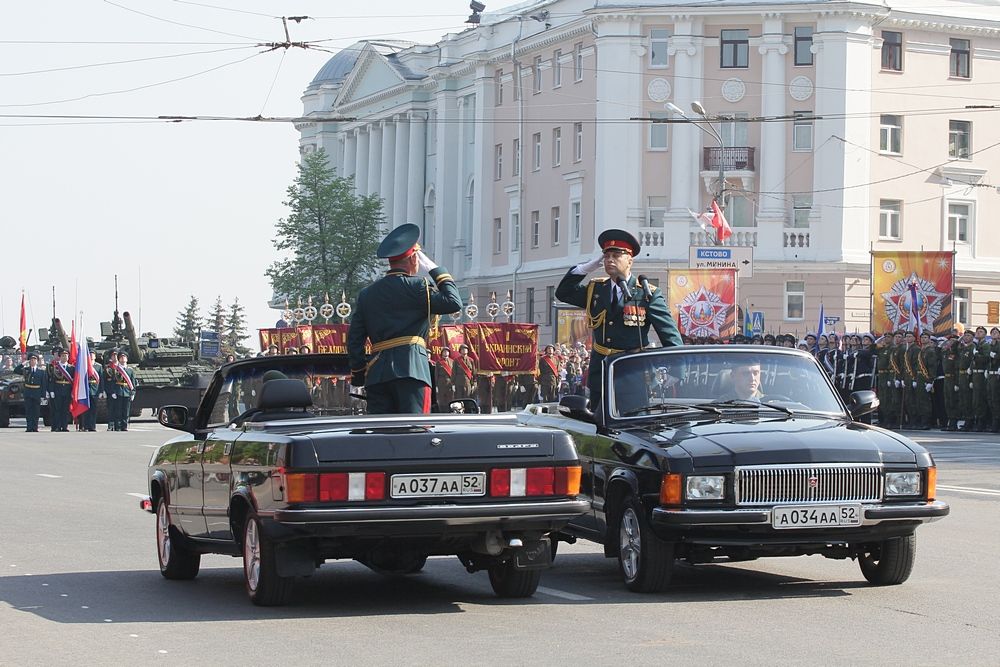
<point x="730" y="453"/>
<point x="259" y="474"/>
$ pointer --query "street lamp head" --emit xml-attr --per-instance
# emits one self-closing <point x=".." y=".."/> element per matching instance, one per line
<point x="698" y="109"/>
<point x="674" y="108"/>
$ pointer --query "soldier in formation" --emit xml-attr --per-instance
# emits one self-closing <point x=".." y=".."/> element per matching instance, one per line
<point x="36" y="383"/>
<point x="60" y="384"/>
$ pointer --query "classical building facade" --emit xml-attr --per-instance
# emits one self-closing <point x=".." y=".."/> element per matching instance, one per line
<point x="838" y="128"/>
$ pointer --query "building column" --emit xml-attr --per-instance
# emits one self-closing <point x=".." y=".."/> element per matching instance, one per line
<point x="415" y="171"/>
<point x="374" y="159"/>
<point x="350" y="152"/>
<point x="686" y="140"/>
<point x="772" y="216"/>
<point x="482" y="156"/>
<point x="338" y="155"/>
<point x="459" y="242"/>
<point x="361" y="162"/>
<point x="386" y="188"/>
<point x="400" y="169"/>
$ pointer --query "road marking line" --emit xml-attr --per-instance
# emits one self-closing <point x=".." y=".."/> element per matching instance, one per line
<point x="43" y="474"/>
<point x="968" y="489"/>
<point x="563" y="594"/>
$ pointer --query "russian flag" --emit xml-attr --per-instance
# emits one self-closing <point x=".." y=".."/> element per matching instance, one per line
<point x="80" y="398"/>
<point x="914" y="317"/>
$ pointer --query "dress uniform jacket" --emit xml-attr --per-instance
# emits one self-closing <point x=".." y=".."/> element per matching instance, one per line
<point x="464" y="376"/>
<point x="617" y="327"/>
<point x="548" y="377"/>
<point x="36" y="382"/>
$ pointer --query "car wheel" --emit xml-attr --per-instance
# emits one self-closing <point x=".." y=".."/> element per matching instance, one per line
<point x="260" y="573"/>
<point x="890" y="562"/>
<point x="176" y="561"/>
<point x="646" y="562"/>
<point x="510" y="583"/>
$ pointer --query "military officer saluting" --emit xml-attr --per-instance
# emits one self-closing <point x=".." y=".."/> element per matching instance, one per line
<point x="395" y="313"/>
<point x="60" y="390"/>
<point x="619" y="312"/>
<point x="36" y="383"/>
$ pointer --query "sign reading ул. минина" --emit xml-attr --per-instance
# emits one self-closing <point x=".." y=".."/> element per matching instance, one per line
<point x="723" y="257"/>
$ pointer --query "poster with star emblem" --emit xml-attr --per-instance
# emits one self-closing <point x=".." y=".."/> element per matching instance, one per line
<point x="705" y="302"/>
<point x="932" y="273"/>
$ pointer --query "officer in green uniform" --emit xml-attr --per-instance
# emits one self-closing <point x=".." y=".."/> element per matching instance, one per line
<point x="898" y="364"/>
<point x="926" y="370"/>
<point x="109" y="377"/>
<point x="95" y="384"/>
<point x="36" y="384"/>
<point x="122" y="393"/>
<point x="911" y="352"/>
<point x="980" y="364"/>
<point x="993" y="379"/>
<point x="884" y="381"/>
<point x="950" y="388"/>
<point x="60" y="388"/>
<point x="966" y="353"/>
<point x="619" y="316"/>
<point x="394" y="313"/>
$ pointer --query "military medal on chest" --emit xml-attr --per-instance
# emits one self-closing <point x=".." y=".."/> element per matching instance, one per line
<point x="634" y="316"/>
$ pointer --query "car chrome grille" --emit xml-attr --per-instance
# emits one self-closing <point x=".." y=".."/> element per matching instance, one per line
<point x="781" y="485"/>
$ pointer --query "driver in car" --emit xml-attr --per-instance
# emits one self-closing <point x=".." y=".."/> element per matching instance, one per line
<point x="745" y="379"/>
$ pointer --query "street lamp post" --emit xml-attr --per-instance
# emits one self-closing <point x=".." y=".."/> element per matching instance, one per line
<point x="696" y="106"/>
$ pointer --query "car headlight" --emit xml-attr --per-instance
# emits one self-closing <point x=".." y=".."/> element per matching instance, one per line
<point x="902" y="483"/>
<point x="706" y="487"/>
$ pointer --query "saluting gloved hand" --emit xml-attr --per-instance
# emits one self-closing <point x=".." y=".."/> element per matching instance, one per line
<point x="929" y="387"/>
<point x="424" y="262"/>
<point x="592" y="265"/>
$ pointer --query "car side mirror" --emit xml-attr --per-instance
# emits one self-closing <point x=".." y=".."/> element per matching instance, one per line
<point x="467" y="406"/>
<point x="575" y="407"/>
<point x="174" y="416"/>
<point x="862" y="402"/>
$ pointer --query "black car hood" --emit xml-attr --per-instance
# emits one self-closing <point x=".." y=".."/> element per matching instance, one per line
<point x="777" y="440"/>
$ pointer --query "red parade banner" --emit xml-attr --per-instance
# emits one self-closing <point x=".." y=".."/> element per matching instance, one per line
<point x="510" y="347"/>
<point x="320" y="338"/>
<point x="329" y="338"/>
<point x="450" y="335"/>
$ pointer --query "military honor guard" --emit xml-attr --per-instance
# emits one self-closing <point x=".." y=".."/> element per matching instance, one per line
<point x="394" y="313"/>
<point x="548" y="374"/>
<point x="36" y="383"/>
<point x="949" y="387"/>
<point x="60" y="390"/>
<point x="95" y="384"/>
<point x="966" y="353"/>
<point x="620" y="311"/>
<point x="120" y="391"/>
<point x="464" y="373"/>
<point x="444" y="369"/>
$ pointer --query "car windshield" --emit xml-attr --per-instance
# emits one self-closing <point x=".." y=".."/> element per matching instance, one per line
<point x="643" y="384"/>
<point x="327" y="377"/>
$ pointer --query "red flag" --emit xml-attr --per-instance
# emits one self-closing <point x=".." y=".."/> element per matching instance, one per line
<point x="24" y="331"/>
<point x="722" y="229"/>
<point x="72" y="344"/>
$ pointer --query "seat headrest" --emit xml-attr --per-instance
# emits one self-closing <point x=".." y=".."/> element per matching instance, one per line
<point x="282" y="394"/>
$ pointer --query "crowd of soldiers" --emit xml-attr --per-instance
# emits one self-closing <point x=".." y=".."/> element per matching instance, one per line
<point x="52" y="385"/>
<point x="457" y="375"/>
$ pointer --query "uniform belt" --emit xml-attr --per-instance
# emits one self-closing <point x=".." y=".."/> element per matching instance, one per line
<point x="398" y="342"/>
<point x="32" y="386"/>
<point x="606" y="351"/>
<point x="978" y="370"/>
<point x="62" y="381"/>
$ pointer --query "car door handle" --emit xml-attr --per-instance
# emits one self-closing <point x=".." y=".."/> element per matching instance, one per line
<point x="201" y="447"/>
<point x="229" y="449"/>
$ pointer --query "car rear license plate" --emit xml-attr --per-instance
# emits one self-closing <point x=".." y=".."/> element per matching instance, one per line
<point x="816" y="516"/>
<point x="438" y="484"/>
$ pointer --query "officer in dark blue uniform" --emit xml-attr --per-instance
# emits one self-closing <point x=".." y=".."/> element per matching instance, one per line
<point x="619" y="317"/>
<point x="395" y="314"/>
<point x="36" y="383"/>
<point x="60" y="390"/>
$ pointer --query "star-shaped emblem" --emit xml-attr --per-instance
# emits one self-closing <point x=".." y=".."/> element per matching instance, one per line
<point x="703" y="313"/>
<point x="897" y="302"/>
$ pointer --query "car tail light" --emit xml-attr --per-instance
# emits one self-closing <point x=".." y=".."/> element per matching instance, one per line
<point x="670" y="489"/>
<point x="543" y="481"/>
<point x="334" y="487"/>
<point x="931" y="483"/>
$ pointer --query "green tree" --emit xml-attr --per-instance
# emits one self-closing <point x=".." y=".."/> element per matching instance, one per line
<point x="236" y="329"/>
<point x="188" y="322"/>
<point x="216" y="320"/>
<point x="330" y="236"/>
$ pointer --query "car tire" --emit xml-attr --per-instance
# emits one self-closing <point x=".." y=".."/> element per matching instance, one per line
<point x="646" y="562"/>
<point x="508" y="582"/>
<point x="890" y="562"/>
<point x="176" y="561"/>
<point x="260" y="572"/>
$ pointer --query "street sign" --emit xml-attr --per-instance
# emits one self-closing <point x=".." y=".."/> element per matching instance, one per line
<point x="210" y="345"/>
<point x="830" y="320"/>
<point x="723" y="257"/>
<point x="757" y="323"/>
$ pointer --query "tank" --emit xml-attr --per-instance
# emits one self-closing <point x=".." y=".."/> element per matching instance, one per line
<point x="12" y="380"/>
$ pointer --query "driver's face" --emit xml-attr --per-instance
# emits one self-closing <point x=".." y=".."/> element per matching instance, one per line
<point x="746" y="380"/>
<point x="617" y="262"/>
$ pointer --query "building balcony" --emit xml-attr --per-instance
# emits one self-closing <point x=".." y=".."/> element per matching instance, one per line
<point x="736" y="158"/>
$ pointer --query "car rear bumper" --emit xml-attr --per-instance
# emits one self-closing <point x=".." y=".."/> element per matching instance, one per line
<point x="556" y="511"/>
<point x="922" y="512"/>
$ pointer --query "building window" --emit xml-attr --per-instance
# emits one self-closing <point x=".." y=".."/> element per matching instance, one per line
<point x="536" y="75"/>
<point x="892" y="51"/>
<point x="556" y="68"/>
<point x="536" y="229"/>
<point x="554" y="215"/>
<point x="550" y="304"/>
<point x="578" y="62"/>
<point x="517" y="82"/>
<point x="498" y="162"/>
<point x="803" y="45"/>
<point x="577" y="142"/>
<point x="960" y="62"/>
<point x="890" y="134"/>
<point x="498" y="87"/>
<point x="735" y="49"/>
<point x="656" y="210"/>
<point x="889" y="218"/>
<point x="516" y="167"/>
<point x="801" y="209"/>
<point x="959" y="139"/>
<point x="658" y="132"/>
<point x="536" y="151"/>
<point x="958" y="222"/>
<point x="575" y="221"/>
<point x="556" y="146"/>
<point x="658" y="47"/>
<point x="963" y="299"/>
<point x="515" y="232"/>
<point x="802" y="131"/>
<point x="529" y="303"/>
<point x="795" y="299"/>
<point x="739" y="212"/>
<point x="497" y="236"/>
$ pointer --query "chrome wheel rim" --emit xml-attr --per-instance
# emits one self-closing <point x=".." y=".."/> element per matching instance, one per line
<point x="251" y="555"/>
<point x="163" y="533"/>
<point x="629" y="544"/>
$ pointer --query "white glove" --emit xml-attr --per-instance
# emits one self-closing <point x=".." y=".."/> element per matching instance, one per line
<point x="888" y="383"/>
<point x="114" y="396"/>
<point x="929" y="387"/>
<point x="101" y="395"/>
<point x="898" y="384"/>
<point x="956" y="387"/>
<point x="970" y="385"/>
<point x="975" y="350"/>
<point x="993" y="355"/>
<point x="424" y="262"/>
<point x="914" y="384"/>
<point x="587" y="267"/>
<point x="52" y="394"/>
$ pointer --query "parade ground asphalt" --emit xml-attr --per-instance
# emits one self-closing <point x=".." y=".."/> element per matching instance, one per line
<point x="79" y="585"/>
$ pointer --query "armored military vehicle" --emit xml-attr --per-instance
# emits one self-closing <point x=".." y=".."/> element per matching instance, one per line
<point x="12" y="381"/>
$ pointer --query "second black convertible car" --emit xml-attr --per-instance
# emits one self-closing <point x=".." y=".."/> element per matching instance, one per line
<point x="260" y="473"/>
<point x="729" y="453"/>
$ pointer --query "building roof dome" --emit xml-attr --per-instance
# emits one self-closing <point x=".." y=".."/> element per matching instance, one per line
<point x="338" y="67"/>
